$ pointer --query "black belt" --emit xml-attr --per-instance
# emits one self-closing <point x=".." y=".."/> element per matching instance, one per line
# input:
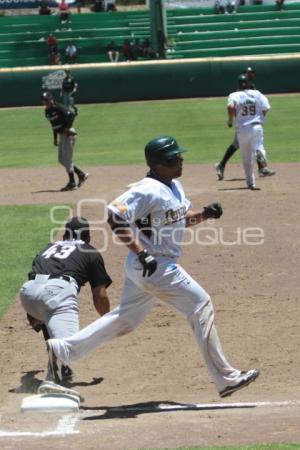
<point x="256" y="123"/>
<point x="32" y="276"/>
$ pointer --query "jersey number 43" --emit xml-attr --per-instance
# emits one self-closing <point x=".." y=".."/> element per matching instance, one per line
<point x="60" y="251"/>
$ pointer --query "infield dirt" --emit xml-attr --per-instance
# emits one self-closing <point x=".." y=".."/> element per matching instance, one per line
<point x="255" y="292"/>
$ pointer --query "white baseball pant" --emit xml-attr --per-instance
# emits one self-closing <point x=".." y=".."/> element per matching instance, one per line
<point x="251" y="139"/>
<point x="261" y="148"/>
<point x="172" y="284"/>
<point x="54" y="302"/>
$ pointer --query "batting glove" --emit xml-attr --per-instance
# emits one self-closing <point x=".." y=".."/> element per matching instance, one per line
<point x="148" y="262"/>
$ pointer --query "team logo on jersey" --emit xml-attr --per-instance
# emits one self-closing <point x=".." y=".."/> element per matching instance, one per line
<point x="248" y="101"/>
<point x="175" y="215"/>
<point x="121" y="207"/>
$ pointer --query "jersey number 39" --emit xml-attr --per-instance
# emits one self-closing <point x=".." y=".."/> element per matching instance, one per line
<point x="248" y="110"/>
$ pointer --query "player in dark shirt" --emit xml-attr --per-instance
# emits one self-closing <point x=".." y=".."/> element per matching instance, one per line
<point x="58" y="272"/>
<point x="68" y="91"/>
<point x="61" y="120"/>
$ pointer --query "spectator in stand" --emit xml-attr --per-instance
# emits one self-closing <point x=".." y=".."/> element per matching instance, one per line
<point x="54" y="55"/>
<point x="44" y="8"/>
<point x="137" y="49"/>
<point x="225" y="6"/>
<point x="110" y="6"/>
<point x="148" y="51"/>
<point x="71" y="52"/>
<point x="127" y="50"/>
<point x="52" y="42"/>
<point x="113" y="52"/>
<point x="97" y="6"/>
<point x="79" y="4"/>
<point x="64" y="11"/>
<point x="279" y="3"/>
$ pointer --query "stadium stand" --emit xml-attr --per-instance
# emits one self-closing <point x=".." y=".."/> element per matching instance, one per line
<point x="253" y="30"/>
<point x="23" y="39"/>
<point x="192" y="33"/>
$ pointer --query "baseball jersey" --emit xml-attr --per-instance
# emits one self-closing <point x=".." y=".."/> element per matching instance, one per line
<point x="249" y="105"/>
<point x="74" y="258"/>
<point x="68" y="84"/>
<point x="59" y="117"/>
<point x="156" y="213"/>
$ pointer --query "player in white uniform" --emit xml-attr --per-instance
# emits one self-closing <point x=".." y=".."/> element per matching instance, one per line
<point x="248" y="107"/>
<point x="261" y="154"/>
<point x="150" y="219"/>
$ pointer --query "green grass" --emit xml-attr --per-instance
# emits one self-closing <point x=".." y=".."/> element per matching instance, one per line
<point x="116" y="133"/>
<point x="246" y="447"/>
<point x="24" y="231"/>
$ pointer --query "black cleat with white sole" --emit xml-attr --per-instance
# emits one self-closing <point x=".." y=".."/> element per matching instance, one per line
<point x="247" y="378"/>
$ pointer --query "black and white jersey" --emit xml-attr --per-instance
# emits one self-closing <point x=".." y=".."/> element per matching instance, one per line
<point x="68" y="84"/>
<point x="74" y="258"/>
<point x="59" y="117"/>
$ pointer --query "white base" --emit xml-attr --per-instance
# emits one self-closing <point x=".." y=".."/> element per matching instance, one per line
<point x="50" y="403"/>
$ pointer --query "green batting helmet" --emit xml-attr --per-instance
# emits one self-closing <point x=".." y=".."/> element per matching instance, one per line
<point x="162" y="150"/>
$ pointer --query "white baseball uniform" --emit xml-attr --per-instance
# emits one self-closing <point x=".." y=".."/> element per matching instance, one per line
<point x="250" y="106"/>
<point x="156" y="213"/>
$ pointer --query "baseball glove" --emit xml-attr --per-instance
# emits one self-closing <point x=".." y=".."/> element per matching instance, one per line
<point x="35" y="324"/>
<point x="213" y="211"/>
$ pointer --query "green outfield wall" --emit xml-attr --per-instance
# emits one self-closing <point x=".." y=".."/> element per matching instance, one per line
<point x="150" y="80"/>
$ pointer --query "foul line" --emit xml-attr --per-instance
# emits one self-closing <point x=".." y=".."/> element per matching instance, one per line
<point x="65" y="426"/>
<point x="204" y="406"/>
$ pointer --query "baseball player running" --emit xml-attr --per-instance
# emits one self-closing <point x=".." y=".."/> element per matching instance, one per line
<point x="58" y="272"/>
<point x="61" y="120"/>
<point x="150" y="219"/>
<point x="248" y="107"/>
<point x="261" y="157"/>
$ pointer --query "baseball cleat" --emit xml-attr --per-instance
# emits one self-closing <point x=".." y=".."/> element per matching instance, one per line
<point x="253" y="188"/>
<point x="54" y="366"/>
<point x="82" y="179"/>
<point x="72" y="132"/>
<point x="266" y="172"/>
<point x="220" y="171"/>
<point x="48" y="387"/>
<point x="247" y="378"/>
<point x="69" y="187"/>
